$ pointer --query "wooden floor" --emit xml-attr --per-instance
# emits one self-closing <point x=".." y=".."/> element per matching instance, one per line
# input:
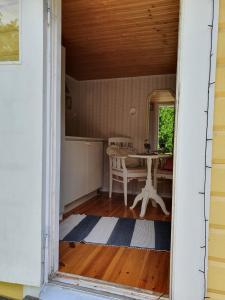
<point x="141" y="268"/>
<point x="129" y="266"/>
<point x="101" y="205"/>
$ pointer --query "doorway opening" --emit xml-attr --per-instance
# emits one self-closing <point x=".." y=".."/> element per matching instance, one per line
<point x="113" y="56"/>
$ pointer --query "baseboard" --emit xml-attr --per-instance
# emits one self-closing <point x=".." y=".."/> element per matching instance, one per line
<point x="79" y="201"/>
<point x="119" y="191"/>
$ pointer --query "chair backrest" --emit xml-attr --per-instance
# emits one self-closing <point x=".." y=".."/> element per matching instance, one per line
<point x="126" y="147"/>
<point x="122" y="142"/>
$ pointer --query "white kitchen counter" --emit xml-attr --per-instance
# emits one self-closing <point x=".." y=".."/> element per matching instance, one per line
<point x="80" y="138"/>
<point x="81" y="168"/>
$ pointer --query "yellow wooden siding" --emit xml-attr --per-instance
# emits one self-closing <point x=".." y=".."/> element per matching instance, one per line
<point x="216" y="266"/>
<point x="219" y="122"/>
<point x="219" y="145"/>
<point x="217" y="218"/>
<point x="14" y="291"/>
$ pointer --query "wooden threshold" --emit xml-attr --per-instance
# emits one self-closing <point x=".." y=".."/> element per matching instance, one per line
<point x="103" y="288"/>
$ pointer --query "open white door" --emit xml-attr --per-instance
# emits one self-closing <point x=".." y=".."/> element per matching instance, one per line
<point x="21" y="154"/>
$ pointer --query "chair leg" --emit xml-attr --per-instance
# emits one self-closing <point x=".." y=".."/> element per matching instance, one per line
<point x="125" y="189"/>
<point x="110" y="184"/>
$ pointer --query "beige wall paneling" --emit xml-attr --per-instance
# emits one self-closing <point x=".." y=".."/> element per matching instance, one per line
<point x="101" y="109"/>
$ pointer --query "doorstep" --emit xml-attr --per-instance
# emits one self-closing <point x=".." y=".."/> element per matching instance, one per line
<point x="68" y="286"/>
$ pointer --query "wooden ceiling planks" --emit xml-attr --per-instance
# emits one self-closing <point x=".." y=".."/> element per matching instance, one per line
<point x="112" y="38"/>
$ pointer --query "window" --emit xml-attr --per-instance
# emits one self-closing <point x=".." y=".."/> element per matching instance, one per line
<point x="166" y="115"/>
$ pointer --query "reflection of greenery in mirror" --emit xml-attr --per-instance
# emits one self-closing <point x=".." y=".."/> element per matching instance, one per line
<point x="166" y="128"/>
<point x="9" y="30"/>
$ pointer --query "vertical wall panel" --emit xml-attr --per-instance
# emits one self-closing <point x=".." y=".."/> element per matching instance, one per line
<point x="102" y="106"/>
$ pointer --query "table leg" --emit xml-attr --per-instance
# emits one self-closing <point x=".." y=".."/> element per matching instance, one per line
<point x="138" y="198"/>
<point x="144" y="205"/>
<point x="154" y="204"/>
<point x="157" y="199"/>
<point x="149" y="192"/>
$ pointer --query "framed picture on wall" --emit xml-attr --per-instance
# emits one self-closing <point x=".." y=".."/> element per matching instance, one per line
<point x="10" y="31"/>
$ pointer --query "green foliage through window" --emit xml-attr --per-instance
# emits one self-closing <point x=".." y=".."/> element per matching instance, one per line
<point x="166" y="128"/>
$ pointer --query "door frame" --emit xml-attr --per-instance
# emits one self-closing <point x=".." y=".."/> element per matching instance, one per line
<point x="191" y="200"/>
<point x="179" y="285"/>
<point x="52" y="137"/>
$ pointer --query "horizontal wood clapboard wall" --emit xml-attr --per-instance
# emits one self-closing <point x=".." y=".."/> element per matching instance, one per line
<point x="216" y="265"/>
<point x="101" y="107"/>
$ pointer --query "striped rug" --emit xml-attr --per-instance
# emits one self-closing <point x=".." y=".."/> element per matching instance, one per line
<point x="116" y="231"/>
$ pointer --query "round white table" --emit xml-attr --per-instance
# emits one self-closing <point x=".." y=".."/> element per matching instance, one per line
<point x="149" y="192"/>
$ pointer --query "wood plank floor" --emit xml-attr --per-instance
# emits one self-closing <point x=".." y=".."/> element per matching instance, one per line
<point x="101" y="205"/>
<point x="141" y="268"/>
<point x="146" y="269"/>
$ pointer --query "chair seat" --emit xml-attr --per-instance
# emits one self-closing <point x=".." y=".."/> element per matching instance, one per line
<point x="138" y="170"/>
<point x="132" y="172"/>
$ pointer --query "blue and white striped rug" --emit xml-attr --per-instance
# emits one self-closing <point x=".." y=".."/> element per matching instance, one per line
<point x="116" y="231"/>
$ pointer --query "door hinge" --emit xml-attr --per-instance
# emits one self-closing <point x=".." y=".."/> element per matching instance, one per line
<point x="45" y="237"/>
<point x="49" y="11"/>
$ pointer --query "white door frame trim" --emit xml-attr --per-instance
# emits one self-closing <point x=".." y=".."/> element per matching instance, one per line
<point x="53" y="142"/>
<point x="52" y="137"/>
<point x="188" y="226"/>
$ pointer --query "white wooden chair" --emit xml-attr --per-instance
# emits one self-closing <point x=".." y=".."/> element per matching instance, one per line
<point x="122" y="168"/>
<point x="161" y="172"/>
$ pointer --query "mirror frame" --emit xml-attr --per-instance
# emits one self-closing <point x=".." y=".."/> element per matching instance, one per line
<point x="148" y="102"/>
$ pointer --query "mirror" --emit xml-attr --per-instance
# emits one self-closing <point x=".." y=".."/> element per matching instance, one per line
<point x="160" y="121"/>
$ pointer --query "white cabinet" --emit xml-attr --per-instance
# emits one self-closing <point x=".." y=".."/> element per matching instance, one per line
<point x="95" y="165"/>
<point x="82" y="167"/>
